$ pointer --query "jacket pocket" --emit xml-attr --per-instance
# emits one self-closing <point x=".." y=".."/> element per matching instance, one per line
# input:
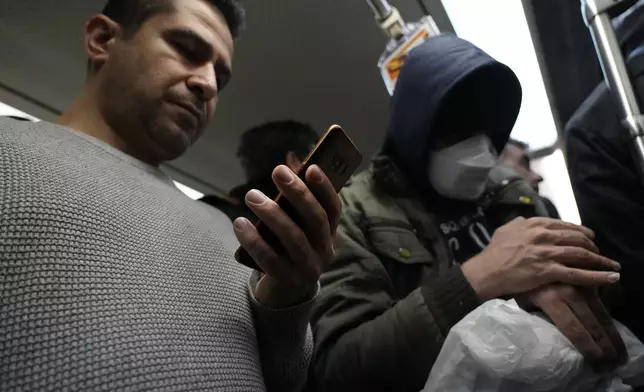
<point x="404" y="257"/>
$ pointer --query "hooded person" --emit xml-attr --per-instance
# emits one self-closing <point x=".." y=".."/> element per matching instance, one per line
<point x="414" y="249"/>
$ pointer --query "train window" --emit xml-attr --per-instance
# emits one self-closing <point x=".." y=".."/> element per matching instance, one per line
<point x="191" y="193"/>
<point x="6" y="110"/>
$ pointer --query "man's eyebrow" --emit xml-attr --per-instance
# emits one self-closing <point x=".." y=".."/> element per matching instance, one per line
<point x="188" y="34"/>
<point x="184" y="33"/>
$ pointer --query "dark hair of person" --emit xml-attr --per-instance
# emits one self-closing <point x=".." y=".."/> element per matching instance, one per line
<point x="131" y="14"/>
<point x="264" y="147"/>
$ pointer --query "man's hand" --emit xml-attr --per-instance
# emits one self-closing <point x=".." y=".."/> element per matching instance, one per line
<point x="583" y="319"/>
<point x="291" y="278"/>
<point x="529" y="253"/>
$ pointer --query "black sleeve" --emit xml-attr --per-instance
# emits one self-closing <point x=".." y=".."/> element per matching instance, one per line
<point x="610" y="197"/>
<point x="552" y="210"/>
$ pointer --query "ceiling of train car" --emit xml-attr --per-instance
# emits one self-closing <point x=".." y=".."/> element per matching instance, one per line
<point x="314" y="61"/>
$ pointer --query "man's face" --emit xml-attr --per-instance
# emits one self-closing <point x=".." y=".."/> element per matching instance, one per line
<point x="159" y="87"/>
<point x="518" y="159"/>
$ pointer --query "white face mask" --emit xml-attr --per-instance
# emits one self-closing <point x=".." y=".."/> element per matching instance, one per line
<point x="461" y="171"/>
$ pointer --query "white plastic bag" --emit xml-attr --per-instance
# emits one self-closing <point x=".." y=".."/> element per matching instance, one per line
<point x="501" y="348"/>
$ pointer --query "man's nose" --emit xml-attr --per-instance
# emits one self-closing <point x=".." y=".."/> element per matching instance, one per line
<point x="204" y="83"/>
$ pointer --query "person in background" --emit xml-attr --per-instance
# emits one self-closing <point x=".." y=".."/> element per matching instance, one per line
<point x="608" y="186"/>
<point x="112" y="278"/>
<point x="416" y="250"/>
<point x="516" y="156"/>
<point x="261" y="149"/>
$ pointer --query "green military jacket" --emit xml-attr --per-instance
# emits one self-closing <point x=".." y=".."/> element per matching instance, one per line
<point x="393" y="293"/>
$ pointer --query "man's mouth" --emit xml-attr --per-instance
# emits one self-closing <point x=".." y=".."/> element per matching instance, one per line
<point x="190" y="109"/>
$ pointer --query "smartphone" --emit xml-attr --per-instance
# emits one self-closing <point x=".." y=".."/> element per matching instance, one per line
<point x="338" y="158"/>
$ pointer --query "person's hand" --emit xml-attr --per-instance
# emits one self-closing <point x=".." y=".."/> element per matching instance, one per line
<point x="529" y="253"/>
<point x="292" y="277"/>
<point x="582" y="318"/>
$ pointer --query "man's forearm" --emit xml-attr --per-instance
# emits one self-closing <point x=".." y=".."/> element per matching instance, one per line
<point x="285" y="342"/>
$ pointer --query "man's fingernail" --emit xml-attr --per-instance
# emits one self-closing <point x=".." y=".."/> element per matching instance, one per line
<point x="241" y="224"/>
<point x="613" y="277"/>
<point x="284" y="175"/>
<point x="617" y="266"/>
<point x="256" y="197"/>
<point x="316" y="175"/>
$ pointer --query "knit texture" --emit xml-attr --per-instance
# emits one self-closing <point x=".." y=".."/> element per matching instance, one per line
<point x="112" y="279"/>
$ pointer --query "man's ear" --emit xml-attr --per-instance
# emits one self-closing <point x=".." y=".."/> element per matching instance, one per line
<point x="293" y="162"/>
<point x="100" y="34"/>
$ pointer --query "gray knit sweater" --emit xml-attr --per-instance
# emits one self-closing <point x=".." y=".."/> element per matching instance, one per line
<point x="112" y="279"/>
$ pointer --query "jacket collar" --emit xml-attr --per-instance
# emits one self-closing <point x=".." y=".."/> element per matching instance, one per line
<point x="389" y="178"/>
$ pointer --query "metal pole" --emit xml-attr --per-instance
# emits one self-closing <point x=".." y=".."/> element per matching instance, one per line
<point x="381" y="9"/>
<point x="615" y="72"/>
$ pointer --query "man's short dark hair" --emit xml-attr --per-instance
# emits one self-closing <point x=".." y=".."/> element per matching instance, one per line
<point x="132" y="13"/>
<point x="264" y="147"/>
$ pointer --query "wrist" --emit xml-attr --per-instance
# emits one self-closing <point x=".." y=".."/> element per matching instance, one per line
<point x="278" y="296"/>
<point x="480" y="281"/>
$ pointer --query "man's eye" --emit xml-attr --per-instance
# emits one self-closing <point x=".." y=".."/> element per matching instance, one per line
<point x="185" y="51"/>
<point x="525" y="162"/>
<point x="222" y="76"/>
<point x="221" y="83"/>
